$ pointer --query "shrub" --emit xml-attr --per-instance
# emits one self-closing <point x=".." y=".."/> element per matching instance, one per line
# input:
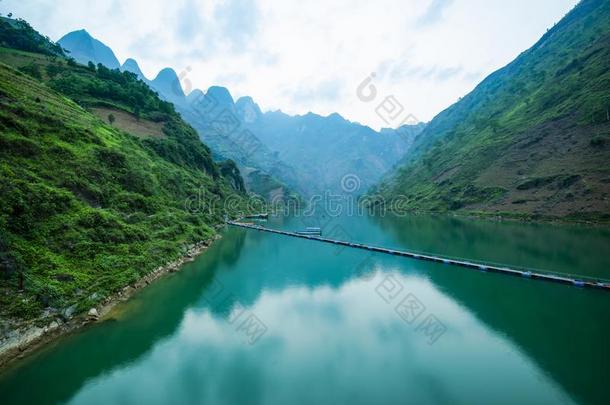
<point x="32" y="69"/>
<point x="599" y="142"/>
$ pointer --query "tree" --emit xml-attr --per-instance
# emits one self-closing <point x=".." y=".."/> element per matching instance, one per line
<point x="53" y="69"/>
<point x="11" y="262"/>
<point x="111" y="118"/>
<point x="91" y="66"/>
<point x="32" y="69"/>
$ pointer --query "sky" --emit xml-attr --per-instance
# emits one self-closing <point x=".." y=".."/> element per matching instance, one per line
<point x="381" y="63"/>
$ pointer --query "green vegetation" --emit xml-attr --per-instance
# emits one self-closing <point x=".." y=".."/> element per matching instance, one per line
<point x="99" y="85"/>
<point x="230" y="171"/>
<point x="18" y="34"/>
<point x="268" y="187"/>
<point x="87" y="208"/>
<point x="530" y="139"/>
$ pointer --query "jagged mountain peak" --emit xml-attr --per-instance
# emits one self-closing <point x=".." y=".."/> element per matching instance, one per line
<point x="221" y="95"/>
<point x="130" y="65"/>
<point x="283" y="135"/>
<point x="84" y="49"/>
<point x="336" y="116"/>
<point x="195" y="95"/>
<point x="168" y="85"/>
<point x="166" y="74"/>
<point x="247" y="109"/>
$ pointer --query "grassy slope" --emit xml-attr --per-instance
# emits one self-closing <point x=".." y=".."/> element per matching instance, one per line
<point x="87" y="208"/>
<point x="532" y="139"/>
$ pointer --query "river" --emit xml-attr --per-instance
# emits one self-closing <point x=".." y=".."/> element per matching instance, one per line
<point x="261" y="318"/>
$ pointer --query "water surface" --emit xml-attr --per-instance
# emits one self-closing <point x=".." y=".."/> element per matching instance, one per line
<point x="265" y="319"/>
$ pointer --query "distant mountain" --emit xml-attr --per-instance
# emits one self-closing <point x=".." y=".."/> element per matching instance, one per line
<point x="323" y="150"/>
<point x="532" y="139"/>
<point x="168" y="86"/>
<point x="84" y="48"/>
<point x="221" y="97"/>
<point x="194" y="96"/>
<point x="216" y="118"/>
<point x="130" y="65"/>
<point x="309" y="153"/>
<point x="276" y="152"/>
<point x="248" y="110"/>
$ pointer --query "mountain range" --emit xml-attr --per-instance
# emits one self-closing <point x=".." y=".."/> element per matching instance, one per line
<point x="531" y="140"/>
<point x="277" y="153"/>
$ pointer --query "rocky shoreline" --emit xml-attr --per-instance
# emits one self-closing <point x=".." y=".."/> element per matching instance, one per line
<point x="25" y="338"/>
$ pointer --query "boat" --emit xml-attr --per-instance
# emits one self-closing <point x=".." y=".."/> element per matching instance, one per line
<point x="308" y="233"/>
<point x="310" y="230"/>
<point x="257" y="216"/>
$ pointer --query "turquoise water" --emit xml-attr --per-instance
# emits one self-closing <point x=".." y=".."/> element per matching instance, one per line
<point x="265" y="319"/>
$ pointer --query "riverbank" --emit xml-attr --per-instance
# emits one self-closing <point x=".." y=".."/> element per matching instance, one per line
<point x="506" y="216"/>
<point x="24" y="338"/>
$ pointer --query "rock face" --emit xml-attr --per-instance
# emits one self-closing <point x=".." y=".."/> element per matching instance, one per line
<point x="68" y="313"/>
<point x="93" y="314"/>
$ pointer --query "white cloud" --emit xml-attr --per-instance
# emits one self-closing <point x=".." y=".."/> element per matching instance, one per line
<point x="341" y="339"/>
<point x="427" y="53"/>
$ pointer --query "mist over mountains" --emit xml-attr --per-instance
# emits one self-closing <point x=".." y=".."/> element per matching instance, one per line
<point x="277" y="153"/>
<point x="531" y="139"/>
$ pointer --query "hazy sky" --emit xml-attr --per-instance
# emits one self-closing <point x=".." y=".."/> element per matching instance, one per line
<point x="311" y="55"/>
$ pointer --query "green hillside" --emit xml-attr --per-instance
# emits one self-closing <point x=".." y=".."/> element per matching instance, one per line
<point x="88" y="208"/>
<point x="533" y="139"/>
